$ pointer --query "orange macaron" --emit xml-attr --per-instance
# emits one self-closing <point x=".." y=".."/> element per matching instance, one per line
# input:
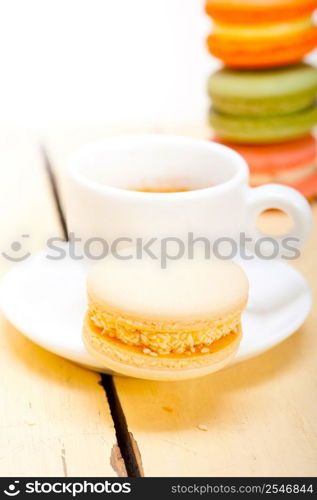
<point x="257" y="51"/>
<point x="292" y="163"/>
<point x="258" y="11"/>
<point x="261" y="34"/>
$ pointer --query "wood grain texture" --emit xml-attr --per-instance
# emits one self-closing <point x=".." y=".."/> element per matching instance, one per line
<point x="54" y="417"/>
<point x="260" y="415"/>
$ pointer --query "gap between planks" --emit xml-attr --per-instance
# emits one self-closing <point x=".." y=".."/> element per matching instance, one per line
<point x="128" y="448"/>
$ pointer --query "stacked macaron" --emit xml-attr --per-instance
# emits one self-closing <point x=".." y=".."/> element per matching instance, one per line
<point x="264" y="99"/>
<point x="261" y="33"/>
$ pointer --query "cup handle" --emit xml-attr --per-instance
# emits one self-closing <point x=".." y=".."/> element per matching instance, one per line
<point x="290" y="201"/>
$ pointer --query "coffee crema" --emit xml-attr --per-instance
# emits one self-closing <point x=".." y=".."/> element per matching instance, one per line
<point x="158" y="189"/>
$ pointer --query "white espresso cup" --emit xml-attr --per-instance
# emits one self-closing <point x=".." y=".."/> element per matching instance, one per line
<point x="103" y="201"/>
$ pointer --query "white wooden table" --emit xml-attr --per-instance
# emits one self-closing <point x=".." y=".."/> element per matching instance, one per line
<point x="55" y="417"/>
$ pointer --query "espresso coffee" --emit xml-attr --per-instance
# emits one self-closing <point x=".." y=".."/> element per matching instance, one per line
<point x="161" y="189"/>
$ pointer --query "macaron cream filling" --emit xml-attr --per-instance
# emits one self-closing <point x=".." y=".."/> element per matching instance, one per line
<point x="263" y="31"/>
<point x="284" y="176"/>
<point x="154" y="337"/>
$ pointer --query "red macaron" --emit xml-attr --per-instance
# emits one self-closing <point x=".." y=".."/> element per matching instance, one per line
<point x="292" y="163"/>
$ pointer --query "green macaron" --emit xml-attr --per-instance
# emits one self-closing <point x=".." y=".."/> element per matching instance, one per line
<point x="252" y="129"/>
<point x="264" y="92"/>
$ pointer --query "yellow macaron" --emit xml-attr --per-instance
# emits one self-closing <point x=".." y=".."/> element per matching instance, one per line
<point x="164" y="324"/>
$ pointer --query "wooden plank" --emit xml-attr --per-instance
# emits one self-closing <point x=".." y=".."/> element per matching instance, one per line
<point x="54" y="417"/>
<point x="261" y="414"/>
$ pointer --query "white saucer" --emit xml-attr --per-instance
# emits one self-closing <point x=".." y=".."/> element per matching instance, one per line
<point x="46" y="301"/>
